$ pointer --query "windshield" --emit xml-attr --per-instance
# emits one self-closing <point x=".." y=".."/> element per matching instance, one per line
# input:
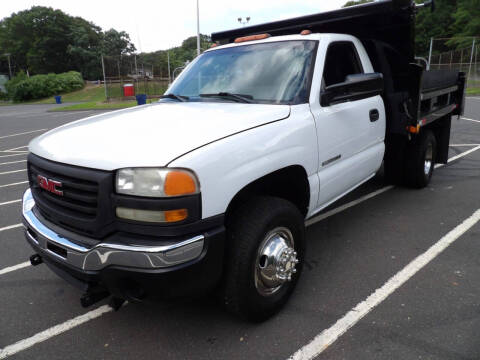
<point x="272" y="73"/>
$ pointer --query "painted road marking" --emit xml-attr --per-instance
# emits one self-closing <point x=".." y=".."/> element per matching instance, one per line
<point x="456" y="145"/>
<point x="14" y="267"/>
<point x="23" y="133"/>
<point x="456" y="157"/>
<point x="10" y="202"/>
<point x="11" y="172"/>
<point x="310" y="350"/>
<point x="346" y="206"/>
<point x="13" y="162"/>
<point x="464" y="118"/>
<point x="2" y="156"/>
<point x="10" y="227"/>
<point x="53" y="331"/>
<point x="328" y="336"/>
<point x="13" y="184"/>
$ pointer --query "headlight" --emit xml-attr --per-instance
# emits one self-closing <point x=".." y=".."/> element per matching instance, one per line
<point x="156" y="182"/>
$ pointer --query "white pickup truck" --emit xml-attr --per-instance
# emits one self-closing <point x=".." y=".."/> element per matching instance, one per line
<point x="210" y="187"/>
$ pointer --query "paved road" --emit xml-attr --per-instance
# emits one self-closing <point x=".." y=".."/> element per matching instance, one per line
<point x="434" y="315"/>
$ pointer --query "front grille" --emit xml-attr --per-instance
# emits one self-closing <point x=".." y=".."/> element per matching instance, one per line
<point x="80" y="197"/>
<point x="84" y="206"/>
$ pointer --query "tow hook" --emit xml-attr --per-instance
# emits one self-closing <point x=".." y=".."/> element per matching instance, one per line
<point x="36" y="259"/>
<point x="92" y="297"/>
<point x="116" y="303"/>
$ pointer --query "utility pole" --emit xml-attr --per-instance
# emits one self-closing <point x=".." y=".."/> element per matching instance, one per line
<point x="9" y="66"/>
<point x="198" y="28"/>
<point x="168" y="60"/>
<point x="136" y="69"/>
<point x="430" y="53"/>
<point x="104" y="79"/>
<point x="471" y="59"/>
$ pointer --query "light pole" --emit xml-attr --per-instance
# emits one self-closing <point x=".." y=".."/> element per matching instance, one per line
<point x="198" y="29"/>
<point x="9" y="67"/>
<point x="247" y="19"/>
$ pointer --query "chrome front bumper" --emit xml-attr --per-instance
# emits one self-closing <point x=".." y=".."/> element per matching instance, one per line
<point x="106" y="253"/>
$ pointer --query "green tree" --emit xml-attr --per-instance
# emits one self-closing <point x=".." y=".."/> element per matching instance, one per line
<point x="466" y="23"/>
<point x="43" y="40"/>
<point x="117" y="43"/>
<point x="436" y="24"/>
<point x="356" y="2"/>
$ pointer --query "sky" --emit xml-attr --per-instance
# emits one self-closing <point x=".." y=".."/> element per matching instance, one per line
<point x="160" y="24"/>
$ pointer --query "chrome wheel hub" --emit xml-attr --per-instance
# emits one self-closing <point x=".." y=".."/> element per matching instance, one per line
<point x="428" y="160"/>
<point x="276" y="260"/>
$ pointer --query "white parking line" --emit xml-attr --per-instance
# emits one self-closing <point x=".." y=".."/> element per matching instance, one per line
<point x="20" y="147"/>
<point x="346" y="206"/>
<point x="10" y="202"/>
<point x="13" y="171"/>
<point x="456" y="157"/>
<point x="328" y="336"/>
<point x="2" y="156"/>
<point x="14" y="267"/>
<point x="325" y="338"/>
<point x="13" y="184"/>
<point x="456" y="145"/>
<point x="464" y="118"/>
<point x="53" y="331"/>
<point x="10" y="227"/>
<point x="23" y="133"/>
<point x="13" y="162"/>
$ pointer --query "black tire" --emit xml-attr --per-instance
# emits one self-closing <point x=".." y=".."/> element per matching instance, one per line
<point x="246" y="230"/>
<point x="416" y="175"/>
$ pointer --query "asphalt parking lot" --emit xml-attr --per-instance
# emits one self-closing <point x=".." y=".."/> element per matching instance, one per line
<point x="365" y="292"/>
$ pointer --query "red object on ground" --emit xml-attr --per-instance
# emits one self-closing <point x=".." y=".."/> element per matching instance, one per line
<point x="128" y="90"/>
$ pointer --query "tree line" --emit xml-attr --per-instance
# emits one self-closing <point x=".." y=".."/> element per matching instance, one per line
<point x="455" y="20"/>
<point x="43" y="40"/>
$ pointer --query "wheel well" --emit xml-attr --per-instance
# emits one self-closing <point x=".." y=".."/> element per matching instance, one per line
<point x="290" y="183"/>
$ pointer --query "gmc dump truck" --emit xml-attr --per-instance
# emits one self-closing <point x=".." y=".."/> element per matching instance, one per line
<point x="209" y="188"/>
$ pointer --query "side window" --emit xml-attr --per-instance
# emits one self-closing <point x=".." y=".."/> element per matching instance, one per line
<point x="342" y="60"/>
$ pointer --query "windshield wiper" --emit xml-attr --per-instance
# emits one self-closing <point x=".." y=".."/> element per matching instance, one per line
<point x="237" y="97"/>
<point x="181" y="98"/>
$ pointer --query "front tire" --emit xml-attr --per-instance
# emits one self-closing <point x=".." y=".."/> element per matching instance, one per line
<point x="265" y="255"/>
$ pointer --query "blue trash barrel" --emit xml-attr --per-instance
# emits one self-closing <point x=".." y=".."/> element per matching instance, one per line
<point x="58" y="99"/>
<point x="141" y="99"/>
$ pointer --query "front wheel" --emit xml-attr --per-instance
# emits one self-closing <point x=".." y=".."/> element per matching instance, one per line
<point x="266" y="249"/>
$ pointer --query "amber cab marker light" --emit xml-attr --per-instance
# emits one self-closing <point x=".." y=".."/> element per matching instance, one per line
<point x="179" y="183"/>
<point x="305" y="32"/>
<point x="413" y="129"/>
<point x="175" y="215"/>
<point x="252" y="38"/>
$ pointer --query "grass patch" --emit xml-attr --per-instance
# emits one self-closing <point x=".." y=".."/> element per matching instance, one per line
<point x="90" y="93"/>
<point x="473" y="91"/>
<point x="95" y="105"/>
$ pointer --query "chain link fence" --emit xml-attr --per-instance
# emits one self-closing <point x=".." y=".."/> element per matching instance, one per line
<point x="127" y="76"/>
<point x="466" y="59"/>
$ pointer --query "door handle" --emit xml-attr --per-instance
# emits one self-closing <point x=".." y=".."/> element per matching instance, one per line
<point x="374" y="115"/>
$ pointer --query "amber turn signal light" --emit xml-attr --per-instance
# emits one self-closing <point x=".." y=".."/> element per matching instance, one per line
<point x="179" y="183"/>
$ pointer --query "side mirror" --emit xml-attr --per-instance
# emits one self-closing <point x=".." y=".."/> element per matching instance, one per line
<point x="355" y="87"/>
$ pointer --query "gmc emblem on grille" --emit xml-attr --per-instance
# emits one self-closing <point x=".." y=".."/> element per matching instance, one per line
<point x="49" y="185"/>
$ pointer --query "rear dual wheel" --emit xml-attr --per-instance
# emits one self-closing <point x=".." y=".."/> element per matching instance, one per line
<point x="420" y="160"/>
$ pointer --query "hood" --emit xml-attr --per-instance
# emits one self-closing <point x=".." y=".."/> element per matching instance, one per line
<point x="150" y="135"/>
